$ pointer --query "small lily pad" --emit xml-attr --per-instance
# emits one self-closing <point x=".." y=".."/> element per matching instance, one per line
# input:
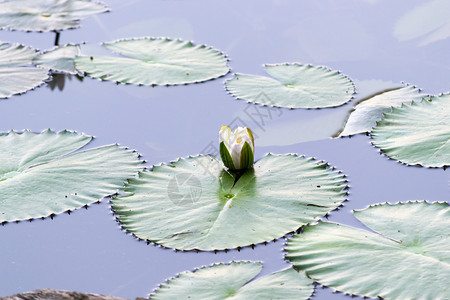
<point x="61" y="59"/>
<point x="236" y="281"/>
<point x="293" y="86"/>
<point x="39" y="178"/>
<point x="418" y="133"/>
<point x="46" y="15"/>
<point x="366" y="113"/>
<point x="408" y="256"/>
<point x="16" y="76"/>
<point x="195" y="204"/>
<point x="155" y="61"/>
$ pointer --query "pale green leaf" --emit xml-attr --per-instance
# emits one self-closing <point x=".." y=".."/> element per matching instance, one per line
<point x="46" y="15"/>
<point x="235" y="281"/>
<point x="194" y="203"/>
<point x="16" y="76"/>
<point x="155" y="61"/>
<point x="39" y="178"/>
<point x="60" y="59"/>
<point x="293" y="86"/>
<point x="417" y="134"/>
<point x="408" y="256"/>
<point x="366" y="113"/>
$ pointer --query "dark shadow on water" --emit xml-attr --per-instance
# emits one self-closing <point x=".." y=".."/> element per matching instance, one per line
<point x="59" y="80"/>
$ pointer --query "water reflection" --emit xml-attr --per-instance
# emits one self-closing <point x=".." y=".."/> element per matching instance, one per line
<point x="428" y="21"/>
<point x="58" y="80"/>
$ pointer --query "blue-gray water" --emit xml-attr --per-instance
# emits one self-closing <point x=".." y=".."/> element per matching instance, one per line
<point x="87" y="251"/>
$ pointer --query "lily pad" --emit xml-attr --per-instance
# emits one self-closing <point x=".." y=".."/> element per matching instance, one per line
<point x="39" y="178"/>
<point x="195" y="204"/>
<point x="366" y="113"/>
<point x="46" y="15"/>
<point x="155" y="61"/>
<point x="236" y="281"/>
<point x="408" y="256"/>
<point x="417" y="134"/>
<point x="61" y="59"/>
<point x="293" y="86"/>
<point x="15" y="76"/>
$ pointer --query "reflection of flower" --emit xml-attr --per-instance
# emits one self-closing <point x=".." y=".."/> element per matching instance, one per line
<point x="237" y="148"/>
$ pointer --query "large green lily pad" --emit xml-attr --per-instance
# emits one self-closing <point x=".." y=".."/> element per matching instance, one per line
<point x="293" y="86"/>
<point x="39" y="178"/>
<point x="417" y="134"/>
<point x="16" y="76"/>
<point x="408" y="256"/>
<point x="366" y="113"/>
<point x="46" y="15"/>
<point x="195" y="204"/>
<point x="61" y="59"/>
<point x="155" y="61"/>
<point x="236" y="281"/>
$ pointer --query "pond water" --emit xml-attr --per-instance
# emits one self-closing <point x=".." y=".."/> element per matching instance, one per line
<point x="87" y="251"/>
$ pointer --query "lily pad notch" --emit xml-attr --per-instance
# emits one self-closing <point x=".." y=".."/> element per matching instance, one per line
<point x="405" y="257"/>
<point x="45" y="174"/>
<point x="155" y="61"/>
<point x="235" y="280"/>
<point x="194" y="204"/>
<point x="366" y="112"/>
<point x="293" y="85"/>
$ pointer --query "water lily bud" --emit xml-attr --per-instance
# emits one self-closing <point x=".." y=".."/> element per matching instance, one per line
<point x="237" y="149"/>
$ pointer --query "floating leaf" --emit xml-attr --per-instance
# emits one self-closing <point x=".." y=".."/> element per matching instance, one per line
<point x="59" y="59"/>
<point x="366" y="113"/>
<point x="417" y="134"/>
<point x="195" y="204"/>
<point x="407" y="258"/>
<point x="46" y="15"/>
<point x="38" y="178"/>
<point x="236" y="281"/>
<point x="15" y="78"/>
<point x="155" y="61"/>
<point x="293" y="86"/>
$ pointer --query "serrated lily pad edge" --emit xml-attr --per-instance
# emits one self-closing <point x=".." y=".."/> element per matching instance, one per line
<point x="367" y="133"/>
<point x="317" y="283"/>
<point x="287" y="64"/>
<point x="44" y="81"/>
<point x="370" y="134"/>
<point x="258" y="276"/>
<point x="53" y="49"/>
<point x="225" y="56"/>
<point x="86" y="206"/>
<point x="345" y="188"/>
<point x="107" y="10"/>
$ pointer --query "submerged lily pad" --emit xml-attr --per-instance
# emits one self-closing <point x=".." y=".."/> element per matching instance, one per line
<point x="155" y="61"/>
<point x="417" y="134"/>
<point x="366" y="113"/>
<point x="236" y="281"/>
<point x="39" y="178"/>
<point x="293" y="86"/>
<point x="408" y="256"/>
<point x="46" y="15"/>
<point x="195" y="204"/>
<point x="15" y="76"/>
<point x="61" y="59"/>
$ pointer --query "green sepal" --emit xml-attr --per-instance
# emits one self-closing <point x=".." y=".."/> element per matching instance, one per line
<point x="247" y="157"/>
<point x="226" y="156"/>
